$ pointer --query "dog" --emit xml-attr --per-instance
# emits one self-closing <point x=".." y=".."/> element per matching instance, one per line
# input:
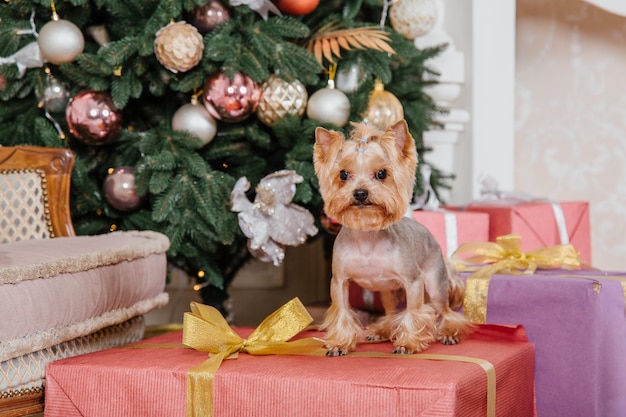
<point x="366" y="183"/>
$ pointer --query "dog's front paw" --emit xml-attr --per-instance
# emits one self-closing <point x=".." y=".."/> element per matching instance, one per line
<point x="336" y="351"/>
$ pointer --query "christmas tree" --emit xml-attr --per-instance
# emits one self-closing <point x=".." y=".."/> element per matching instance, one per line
<point x="160" y="73"/>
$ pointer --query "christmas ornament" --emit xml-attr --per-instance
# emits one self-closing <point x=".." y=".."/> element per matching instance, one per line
<point x="297" y="7"/>
<point x="413" y="18"/>
<point x="231" y="100"/>
<point x="383" y="108"/>
<point x="27" y="57"/>
<point x="3" y="82"/>
<point x="329" y="105"/>
<point x="60" y="41"/>
<point x="92" y="117"/>
<point x="119" y="189"/>
<point x="262" y="7"/>
<point x="208" y="17"/>
<point x="327" y="43"/>
<point x="195" y="119"/>
<point x="350" y="78"/>
<point x="55" y="95"/>
<point x="272" y="221"/>
<point x="279" y="97"/>
<point x="178" y="46"/>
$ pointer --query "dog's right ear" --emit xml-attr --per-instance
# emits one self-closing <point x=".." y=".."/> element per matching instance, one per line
<point x="323" y="143"/>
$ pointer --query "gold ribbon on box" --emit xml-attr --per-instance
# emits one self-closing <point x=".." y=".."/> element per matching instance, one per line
<point x="504" y="255"/>
<point x="206" y="330"/>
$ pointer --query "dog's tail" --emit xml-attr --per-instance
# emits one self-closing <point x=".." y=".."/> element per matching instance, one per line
<point x="456" y="288"/>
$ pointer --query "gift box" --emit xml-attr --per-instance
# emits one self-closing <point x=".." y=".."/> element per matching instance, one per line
<point x="491" y="373"/>
<point x="540" y="224"/>
<point x="577" y="321"/>
<point x="450" y="229"/>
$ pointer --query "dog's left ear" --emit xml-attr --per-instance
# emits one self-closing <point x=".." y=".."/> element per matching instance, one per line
<point x="404" y="141"/>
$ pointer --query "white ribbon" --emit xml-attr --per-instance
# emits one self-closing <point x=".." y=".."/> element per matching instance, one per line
<point x="27" y="57"/>
<point x="262" y="7"/>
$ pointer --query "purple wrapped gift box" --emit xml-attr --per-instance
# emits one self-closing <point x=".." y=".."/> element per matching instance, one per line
<point x="577" y="321"/>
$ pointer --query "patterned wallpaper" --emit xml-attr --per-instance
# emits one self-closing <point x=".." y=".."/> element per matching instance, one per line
<point x="570" y="133"/>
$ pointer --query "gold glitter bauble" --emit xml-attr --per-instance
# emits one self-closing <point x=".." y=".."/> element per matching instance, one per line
<point x="178" y="46"/>
<point x="383" y="109"/>
<point x="413" y="18"/>
<point x="279" y="98"/>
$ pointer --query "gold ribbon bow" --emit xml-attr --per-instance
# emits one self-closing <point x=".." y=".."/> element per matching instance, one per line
<point x="206" y="330"/>
<point x="504" y="255"/>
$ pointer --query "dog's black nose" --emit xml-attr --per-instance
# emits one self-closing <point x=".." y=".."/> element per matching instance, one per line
<point x="360" y="195"/>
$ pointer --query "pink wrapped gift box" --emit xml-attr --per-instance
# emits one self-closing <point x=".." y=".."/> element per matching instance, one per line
<point x="152" y="381"/>
<point x="578" y="325"/>
<point x="450" y="229"/>
<point x="537" y="225"/>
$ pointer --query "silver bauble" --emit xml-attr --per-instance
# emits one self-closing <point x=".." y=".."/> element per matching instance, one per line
<point x="329" y="105"/>
<point x="350" y="78"/>
<point x="60" y="41"/>
<point x="55" y="96"/>
<point x="195" y="119"/>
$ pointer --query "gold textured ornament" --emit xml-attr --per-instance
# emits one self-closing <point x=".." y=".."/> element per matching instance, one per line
<point x="383" y="109"/>
<point x="178" y="46"/>
<point x="413" y="18"/>
<point x="279" y="98"/>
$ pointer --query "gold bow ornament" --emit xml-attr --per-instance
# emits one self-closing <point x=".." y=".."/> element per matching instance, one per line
<point x="206" y="330"/>
<point x="485" y="259"/>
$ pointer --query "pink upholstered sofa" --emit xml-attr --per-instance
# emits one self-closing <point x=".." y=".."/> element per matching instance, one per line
<point x="63" y="295"/>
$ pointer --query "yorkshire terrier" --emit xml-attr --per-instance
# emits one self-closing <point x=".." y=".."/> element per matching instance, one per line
<point x="366" y="183"/>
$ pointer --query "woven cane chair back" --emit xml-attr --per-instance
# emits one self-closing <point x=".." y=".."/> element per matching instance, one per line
<point x="34" y="193"/>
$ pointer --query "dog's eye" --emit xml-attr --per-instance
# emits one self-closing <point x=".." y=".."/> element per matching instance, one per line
<point x="343" y="175"/>
<point x="381" y="174"/>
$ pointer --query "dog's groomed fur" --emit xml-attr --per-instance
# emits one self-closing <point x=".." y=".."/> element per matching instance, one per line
<point x="366" y="183"/>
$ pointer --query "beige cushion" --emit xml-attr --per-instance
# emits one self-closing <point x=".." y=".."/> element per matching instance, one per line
<point x="54" y="290"/>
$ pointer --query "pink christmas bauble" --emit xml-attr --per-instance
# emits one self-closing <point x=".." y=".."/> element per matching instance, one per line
<point x="206" y="18"/>
<point x="231" y="100"/>
<point x="119" y="189"/>
<point x="92" y="117"/>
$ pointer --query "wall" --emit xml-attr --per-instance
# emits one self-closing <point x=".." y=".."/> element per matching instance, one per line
<point x="570" y="131"/>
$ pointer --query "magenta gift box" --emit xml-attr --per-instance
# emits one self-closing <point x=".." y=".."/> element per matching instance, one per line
<point x="578" y="324"/>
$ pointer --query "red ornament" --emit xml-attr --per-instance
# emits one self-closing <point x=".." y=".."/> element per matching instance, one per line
<point x="93" y="118"/>
<point x="206" y="18"/>
<point x="119" y="189"/>
<point x="231" y="100"/>
<point x="297" y="7"/>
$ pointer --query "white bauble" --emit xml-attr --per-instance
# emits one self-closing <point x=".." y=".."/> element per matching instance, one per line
<point x="195" y="119"/>
<point x="60" y="41"/>
<point x="413" y="18"/>
<point x="329" y="105"/>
